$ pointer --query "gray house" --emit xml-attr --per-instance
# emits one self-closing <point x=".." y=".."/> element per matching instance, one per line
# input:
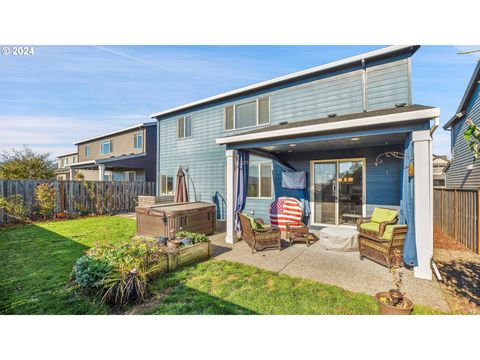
<point x="463" y="171"/>
<point x="350" y="126"/>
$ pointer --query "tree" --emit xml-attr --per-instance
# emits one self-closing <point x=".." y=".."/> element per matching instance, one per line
<point x="472" y="137"/>
<point x="26" y="165"/>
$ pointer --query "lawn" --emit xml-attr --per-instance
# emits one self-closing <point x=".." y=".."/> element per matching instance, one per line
<point x="36" y="261"/>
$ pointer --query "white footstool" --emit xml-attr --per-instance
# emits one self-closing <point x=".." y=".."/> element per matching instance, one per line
<point x="339" y="239"/>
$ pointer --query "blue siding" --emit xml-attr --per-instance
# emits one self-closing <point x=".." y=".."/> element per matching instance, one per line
<point x="338" y="92"/>
<point x="457" y="174"/>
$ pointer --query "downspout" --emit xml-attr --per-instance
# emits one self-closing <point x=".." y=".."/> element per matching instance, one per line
<point x="436" y="123"/>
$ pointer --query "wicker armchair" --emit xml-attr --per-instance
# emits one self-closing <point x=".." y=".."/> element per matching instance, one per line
<point x="297" y="232"/>
<point x="262" y="238"/>
<point x="377" y="224"/>
<point x="381" y="249"/>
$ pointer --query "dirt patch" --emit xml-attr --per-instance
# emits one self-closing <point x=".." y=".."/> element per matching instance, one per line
<point x="460" y="270"/>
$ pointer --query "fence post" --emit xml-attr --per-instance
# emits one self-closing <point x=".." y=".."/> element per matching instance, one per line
<point x="62" y="197"/>
<point x="478" y="221"/>
<point x="455" y="215"/>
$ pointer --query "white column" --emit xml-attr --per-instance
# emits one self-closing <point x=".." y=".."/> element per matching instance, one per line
<point x="230" y="216"/>
<point x="423" y="189"/>
<point x="101" y="172"/>
<point x="72" y="174"/>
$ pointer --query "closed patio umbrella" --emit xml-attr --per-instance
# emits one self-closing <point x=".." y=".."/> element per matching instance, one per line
<point x="181" y="191"/>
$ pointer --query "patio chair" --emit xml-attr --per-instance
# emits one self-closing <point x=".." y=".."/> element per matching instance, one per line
<point x="382" y="249"/>
<point x="258" y="235"/>
<point x="376" y="224"/>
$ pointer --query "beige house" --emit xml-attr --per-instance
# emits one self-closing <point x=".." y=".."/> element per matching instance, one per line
<point x="64" y="162"/>
<point x="127" y="154"/>
<point x="439" y="163"/>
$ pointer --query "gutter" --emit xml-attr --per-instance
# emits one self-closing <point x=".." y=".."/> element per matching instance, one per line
<point x="436" y="123"/>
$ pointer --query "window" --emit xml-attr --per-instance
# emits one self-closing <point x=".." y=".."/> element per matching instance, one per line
<point x="66" y="161"/>
<point x="252" y="113"/>
<point x="74" y="159"/>
<point x="184" y="127"/>
<point x="166" y="184"/>
<point x="106" y="147"/>
<point x="107" y="176"/>
<point x="129" y="176"/>
<point x="260" y="180"/>
<point x="87" y="151"/>
<point x="138" y="140"/>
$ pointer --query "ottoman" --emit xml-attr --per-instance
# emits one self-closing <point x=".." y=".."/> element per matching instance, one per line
<point x="339" y="239"/>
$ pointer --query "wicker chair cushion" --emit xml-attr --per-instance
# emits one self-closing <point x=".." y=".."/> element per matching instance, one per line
<point x="380" y="215"/>
<point x="253" y="223"/>
<point x="370" y="226"/>
<point x="387" y="234"/>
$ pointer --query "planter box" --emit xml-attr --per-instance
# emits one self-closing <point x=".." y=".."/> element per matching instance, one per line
<point x="147" y="200"/>
<point x="189" y="255"/>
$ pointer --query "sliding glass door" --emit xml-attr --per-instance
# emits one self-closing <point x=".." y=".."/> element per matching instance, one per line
<point x="338" y="191"/>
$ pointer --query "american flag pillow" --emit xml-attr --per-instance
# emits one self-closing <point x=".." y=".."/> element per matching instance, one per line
<point x="286" y="210"/>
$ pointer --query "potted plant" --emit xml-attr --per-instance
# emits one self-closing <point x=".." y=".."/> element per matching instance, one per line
<point x="394" y="301"/>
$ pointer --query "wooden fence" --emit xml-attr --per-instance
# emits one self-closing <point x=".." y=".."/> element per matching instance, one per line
<point x="456" y="213"/>
<point x="76" y="196"/>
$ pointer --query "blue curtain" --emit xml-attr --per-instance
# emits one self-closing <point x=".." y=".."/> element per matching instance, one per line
<point x="242" y="185"/>
<point x="300" y="194"/>
<point x="407" y="210"/>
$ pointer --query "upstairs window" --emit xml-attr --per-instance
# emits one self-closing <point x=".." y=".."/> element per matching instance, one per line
<point x="66" y="161"/>
<point x="248" y="114"/>
<point x="260" y="180"/>
<point x="166" y="184"/>
<point x="184" y="127"/>
<point x="106" y="147"/>
<point x="87" y="151"/>
<point x="138" y="140"/>
<point x="74" y="159"/>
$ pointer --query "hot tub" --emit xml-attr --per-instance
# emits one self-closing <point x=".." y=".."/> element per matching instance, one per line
<point x="168" y="219"/>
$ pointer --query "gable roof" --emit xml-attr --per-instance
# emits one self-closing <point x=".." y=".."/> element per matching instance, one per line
<point x="369" y="56"/>
<point x="146" y="124"/>
<point x="460" y="113"/>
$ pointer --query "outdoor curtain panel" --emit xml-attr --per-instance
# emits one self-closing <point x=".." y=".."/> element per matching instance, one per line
<point x="300" y="193"/>
<point x="181" y="191"/>
<point x="407" y="212"/>
<point x="242" y="184"/>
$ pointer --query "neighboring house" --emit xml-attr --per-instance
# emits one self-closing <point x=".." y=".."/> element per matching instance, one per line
<point x="463" y="171"/>
<point x="64" y="163"/>
<point x="344" y="124"/>
<point x="124" y="155"/>
<point x="439" y="164"/>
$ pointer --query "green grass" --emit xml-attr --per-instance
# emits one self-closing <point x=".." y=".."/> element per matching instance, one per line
<point x="36" y="262"/>
<point x="223" y="287"/>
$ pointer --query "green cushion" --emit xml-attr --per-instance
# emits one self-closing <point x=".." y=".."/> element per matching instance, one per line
<point x="380" y="215"/>
<point x="387" y="234"/>
<point x="370" y="226"/>
<point x="253" y="223"/>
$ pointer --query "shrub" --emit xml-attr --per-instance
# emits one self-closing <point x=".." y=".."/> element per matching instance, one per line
<point x="14" y="207"/>
<point x="45" y="196"/>
<point x="196" y="237"/>
<point x="89" y="273"/>
<point x="120" y="272"/>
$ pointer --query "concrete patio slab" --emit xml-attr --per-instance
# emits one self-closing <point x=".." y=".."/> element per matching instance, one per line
<point x="343" y="269"/>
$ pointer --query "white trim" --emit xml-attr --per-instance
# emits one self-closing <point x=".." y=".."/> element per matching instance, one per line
<point x="338" y="125"/>
<point x="337" y="213"/>
<point x="84" y="163"/>
<point x="152" y="123"/>
<point x="292" y="76"/>
<point x="69" y="154"/>
<point x="230" y="195"/>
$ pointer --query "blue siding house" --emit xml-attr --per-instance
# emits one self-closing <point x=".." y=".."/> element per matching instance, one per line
<point x="344" y="124"/>
<point x="463" y="171"/>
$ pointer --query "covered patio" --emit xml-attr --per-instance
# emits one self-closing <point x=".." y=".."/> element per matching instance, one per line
<point x="353" y="164"/>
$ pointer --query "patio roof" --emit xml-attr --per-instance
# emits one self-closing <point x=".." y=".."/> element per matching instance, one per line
<point x="364" y="124"/>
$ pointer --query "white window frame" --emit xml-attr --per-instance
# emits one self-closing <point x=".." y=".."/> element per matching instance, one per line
<point x="257" y="100"/>
<point x="109" y="147"/>
<point x="130" y="172"/>
<point x="108" y="174"/>
<point x="135" y="140"/>
<point x="184" y="118"/>
<point x="260" y="197"/>
<point x="164" y="184"/>
<point x="86" y="151"/>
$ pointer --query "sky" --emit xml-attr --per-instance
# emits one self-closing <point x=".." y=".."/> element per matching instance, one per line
<point x="62" y="94"/>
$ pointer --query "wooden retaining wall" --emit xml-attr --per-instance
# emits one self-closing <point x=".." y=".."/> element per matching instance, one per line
<point x="456" y="213"/>
<point x="110" y="196"/>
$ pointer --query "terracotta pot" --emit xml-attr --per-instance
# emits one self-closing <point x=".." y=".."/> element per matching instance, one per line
<point x="386" y="309"/>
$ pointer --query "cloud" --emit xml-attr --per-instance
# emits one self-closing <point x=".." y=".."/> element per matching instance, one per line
<point x="58" y="134"/>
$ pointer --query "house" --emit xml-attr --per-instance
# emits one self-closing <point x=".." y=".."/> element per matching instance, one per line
<point x="439" y="163"/>
<point x="63" y="165"/>
<point x="350" y="126"/>
<point x="463" y="171"/>
<point x="127" y="154"/>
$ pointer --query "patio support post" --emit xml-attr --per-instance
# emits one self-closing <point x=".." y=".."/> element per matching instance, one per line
<point x="101" y="172"/>
<point x="423" y="197"/>
<point x="72" y="174"/>
<point x="230" y="216"/>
